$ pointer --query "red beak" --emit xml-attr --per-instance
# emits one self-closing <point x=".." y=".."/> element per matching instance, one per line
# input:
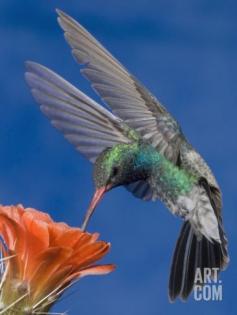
<point x="99" y="193"/>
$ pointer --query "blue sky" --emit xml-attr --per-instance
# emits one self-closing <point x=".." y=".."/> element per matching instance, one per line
<point x="186" y="54"/>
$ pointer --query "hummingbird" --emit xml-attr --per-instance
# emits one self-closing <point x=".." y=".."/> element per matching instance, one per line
<point x="139" y="145"/>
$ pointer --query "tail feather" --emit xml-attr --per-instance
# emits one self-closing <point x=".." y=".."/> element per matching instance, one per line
<point x="191" y="253"/>
<point x="189" y="264"/>
<point x="175" y="281"/>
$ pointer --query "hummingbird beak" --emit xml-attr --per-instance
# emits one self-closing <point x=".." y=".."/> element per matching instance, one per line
<point x="98" y="195"/>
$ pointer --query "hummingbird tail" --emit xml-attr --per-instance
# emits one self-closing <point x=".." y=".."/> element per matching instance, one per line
<point x="193" y="253"/>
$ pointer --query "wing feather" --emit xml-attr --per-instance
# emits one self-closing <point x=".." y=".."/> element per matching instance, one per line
<point x="126" y="96"/>
<point x="86" y="124"/>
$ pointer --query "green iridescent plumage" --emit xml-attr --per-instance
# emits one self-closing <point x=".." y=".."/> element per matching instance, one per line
<point x="138" y="160"/>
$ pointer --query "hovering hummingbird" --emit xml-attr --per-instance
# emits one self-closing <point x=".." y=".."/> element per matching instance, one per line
<point x="140" y="146"/>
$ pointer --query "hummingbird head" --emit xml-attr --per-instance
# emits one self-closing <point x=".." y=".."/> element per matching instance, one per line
<point x="113" y="167"/>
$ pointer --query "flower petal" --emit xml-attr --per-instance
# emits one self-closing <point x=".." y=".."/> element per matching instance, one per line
<point x="37" y="228"/>
<point x="97" y="270"/>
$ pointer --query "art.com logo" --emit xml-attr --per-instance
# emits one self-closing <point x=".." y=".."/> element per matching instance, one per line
<point x="207" y="286"/>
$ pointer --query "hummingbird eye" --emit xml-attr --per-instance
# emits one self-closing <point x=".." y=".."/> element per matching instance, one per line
<point x="115" y="171"/>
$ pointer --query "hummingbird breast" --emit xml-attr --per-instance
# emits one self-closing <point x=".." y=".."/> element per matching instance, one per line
<point x="168" y="180"/>
<point x="180" y="191"/>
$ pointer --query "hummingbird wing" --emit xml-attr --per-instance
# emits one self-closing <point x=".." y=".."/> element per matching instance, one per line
<point x="125" y="95"/>
<point x="86" y="124"/>
<point x="141" y="189"/>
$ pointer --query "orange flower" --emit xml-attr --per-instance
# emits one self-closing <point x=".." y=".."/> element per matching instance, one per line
<point x="41" y="258"/>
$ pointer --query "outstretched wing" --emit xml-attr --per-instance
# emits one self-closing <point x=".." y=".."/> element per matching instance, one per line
<point x="86" y="124"/>
<point x="126" y="96"/>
